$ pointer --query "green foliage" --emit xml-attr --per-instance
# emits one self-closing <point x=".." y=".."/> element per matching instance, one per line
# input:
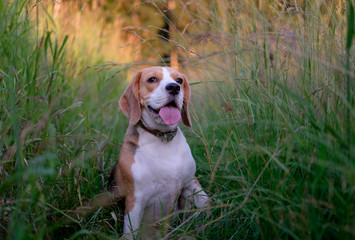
<point x="272" y="105"/>
<point x="49" y="140"/>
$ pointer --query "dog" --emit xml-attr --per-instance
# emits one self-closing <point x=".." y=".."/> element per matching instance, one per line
<point x="155" y="172"/>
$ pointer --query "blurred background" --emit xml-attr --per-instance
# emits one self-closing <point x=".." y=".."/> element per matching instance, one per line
<point x="272" y="109"/>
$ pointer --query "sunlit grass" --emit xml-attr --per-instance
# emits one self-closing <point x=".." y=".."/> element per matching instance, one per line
<point x="272" y="107"/>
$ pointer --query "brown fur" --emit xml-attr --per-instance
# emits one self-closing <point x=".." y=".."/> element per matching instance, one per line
<point x="129" y="102"/>
<point x="122" y="174"/>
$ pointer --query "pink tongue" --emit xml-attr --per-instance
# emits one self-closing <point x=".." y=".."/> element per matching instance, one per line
<point x="170" y="115"/>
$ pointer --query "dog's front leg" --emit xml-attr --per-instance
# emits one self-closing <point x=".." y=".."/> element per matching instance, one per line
<point x="133" y="217"/>
<point x="192" y="193"/>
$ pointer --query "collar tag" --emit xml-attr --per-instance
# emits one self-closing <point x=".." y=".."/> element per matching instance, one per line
<point x="164" y="136"/>
<point x="167" y="137"/>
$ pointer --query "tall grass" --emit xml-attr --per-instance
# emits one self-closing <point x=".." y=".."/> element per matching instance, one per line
<point x="272" y="107"/>
<point x="277" y="133"/>
<point x="50" y="137"/>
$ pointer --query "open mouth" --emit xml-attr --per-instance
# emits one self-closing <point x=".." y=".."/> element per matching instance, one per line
<point x="170" y="113"/>
<point x="156" y="111"/>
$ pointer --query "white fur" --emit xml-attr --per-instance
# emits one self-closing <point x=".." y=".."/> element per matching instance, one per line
<point x="162" y="171"/>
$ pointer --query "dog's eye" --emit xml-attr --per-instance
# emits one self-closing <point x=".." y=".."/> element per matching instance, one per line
<point x="179" y="80"/>
<point x="152" y="80"/>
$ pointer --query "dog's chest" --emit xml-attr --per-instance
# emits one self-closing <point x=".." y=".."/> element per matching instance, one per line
<point x="161" y="169"/>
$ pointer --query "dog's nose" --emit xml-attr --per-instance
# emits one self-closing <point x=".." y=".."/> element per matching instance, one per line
<point x="173" y="88"/>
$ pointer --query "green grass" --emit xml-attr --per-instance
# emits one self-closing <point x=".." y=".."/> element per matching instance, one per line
<point x="273" y="134"/>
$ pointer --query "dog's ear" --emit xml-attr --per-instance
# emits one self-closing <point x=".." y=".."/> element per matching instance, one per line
<point x="185" y="108"/>
<point x="129" y="101"/>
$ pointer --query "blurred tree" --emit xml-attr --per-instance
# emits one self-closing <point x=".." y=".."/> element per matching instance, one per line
<point x="154" y="27"/>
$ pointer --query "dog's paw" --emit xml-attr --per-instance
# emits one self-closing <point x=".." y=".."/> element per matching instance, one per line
<point x="201" y="199"/>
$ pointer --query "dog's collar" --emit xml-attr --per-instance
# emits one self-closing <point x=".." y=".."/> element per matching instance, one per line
<point x="164" y="136"/>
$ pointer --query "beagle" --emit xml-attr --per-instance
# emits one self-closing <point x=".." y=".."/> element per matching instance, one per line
<point x="155" y="173"/>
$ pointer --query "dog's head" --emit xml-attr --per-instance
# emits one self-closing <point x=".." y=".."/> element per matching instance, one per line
<point x="158" y="96"/>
